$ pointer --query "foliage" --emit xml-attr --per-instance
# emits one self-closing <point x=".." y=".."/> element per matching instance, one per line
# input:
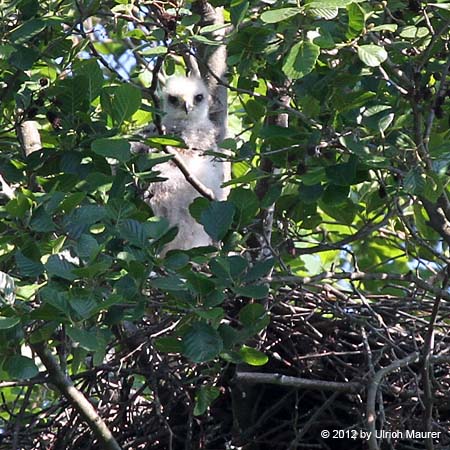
<point x="358" y="180"/>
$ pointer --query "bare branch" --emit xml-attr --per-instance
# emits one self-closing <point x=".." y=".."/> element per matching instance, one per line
<point x="191" y="179"/>
<point x="298" y="383"/>
<point x="438" y="218"/>
<point x="427" y="351"/>
<point x="373" y="390"/>
<point x="64" y="384"/>
<point x="354" y="276"/>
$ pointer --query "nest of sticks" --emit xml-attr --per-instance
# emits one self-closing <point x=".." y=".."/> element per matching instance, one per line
<point x="339" y="361"/>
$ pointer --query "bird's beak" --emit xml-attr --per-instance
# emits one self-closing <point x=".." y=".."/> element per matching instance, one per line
<point x="187" y="106"/>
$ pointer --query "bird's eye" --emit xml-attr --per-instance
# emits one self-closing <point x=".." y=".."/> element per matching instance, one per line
<point x="173" y="100"/>
<point x="198" y="98"/>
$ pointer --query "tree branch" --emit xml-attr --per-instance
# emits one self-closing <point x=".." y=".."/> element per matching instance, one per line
<point x="191" y="179"/>
<point x="64" y="384"/>
<point x="355" y="276"/>
<point x="438" y="217"/>
<point x="372" y="394"/>
<point x="298" y="383"/>
<point x="428" y="349"/>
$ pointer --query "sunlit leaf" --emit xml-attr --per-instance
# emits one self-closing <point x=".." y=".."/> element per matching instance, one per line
<point x="301" y="60"/>
<point x="278" y="15"/>
<point x="372" y="55"/>
<point x="252" y="356"/>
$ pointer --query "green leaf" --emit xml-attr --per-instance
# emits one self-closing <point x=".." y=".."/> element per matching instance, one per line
<point x="325" y="4"/>
<point x="20" y="367"/>
<point x="252" y="356"/>
<point x="323" y="13"/>
<point x="71" y="202"/>
<point x="87" y="246"/>
<point x="301" y="60"/>
<point x="204" y="396"/>
<point x="384" y="122"/>
<point x="254" y="291"/>
<point x="169" y="345"/>
<point x="58" y="266"/>
<point x="212" y="28"/>
<point x="205" y="41"/>
<point x="176" y="260"/>
<point x="90" y="69"/>
<point x="116" y="148"/>
<point x="214" y="298"/>
<point x="18" y="206"/>
<point x="253" y="314"/>
<point x="173" y="141"/>
<point x="93" y="270"/>
<point x="213" y="314"/>
<point x="83" y="306"/>
<point x="356" y="20"/>
<point x="72" y="93"/>
<point x="342" y="174"/>
<point x="197" y="207"/>
<point x="238" y="11"/>
<point x="335" y="195"/>
<point x="8" y="322"/>
<point x="392" y="27"/>
<point x="217" y="219"/>
<point x="413" y="32"/>
<point x="57" y="300"/>
<point x="342" y="209"/>
<point x="372" y="55"/>
<point x="154" y="51"/>
<point x="414" y="182"/>
<point x="255" y="109"/>
<point x="309" y="194"/>
<point x="200" y="284"/>
<point x="121" y="102"/>
<point x="85" y="339"/>
<point x="156" y="227"/>
<point x="278" y="15"/>
<point x="260" y="269"/>
<point x="230" y="336"/>
<point x="118" y="208"/>
<point x="27" y="267"/>
<point x="27" y="30"/>
<point x="23" y="58"/>
<point x="133" y="231"/>
<point x="28" y="8"/>
<point x="246" y="203"/>
<point x="169" y="283"/>
<point x="202" y="343"/>
<point x="41" y="221"/>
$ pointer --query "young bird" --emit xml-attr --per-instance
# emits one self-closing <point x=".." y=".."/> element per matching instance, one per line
<point x="186" y="108"/>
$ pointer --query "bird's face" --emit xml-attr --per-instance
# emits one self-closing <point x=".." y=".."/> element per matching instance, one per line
<point x="186" y="99"/>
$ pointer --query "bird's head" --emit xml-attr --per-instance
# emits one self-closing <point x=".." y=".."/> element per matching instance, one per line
<point x="185" y="98"/>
